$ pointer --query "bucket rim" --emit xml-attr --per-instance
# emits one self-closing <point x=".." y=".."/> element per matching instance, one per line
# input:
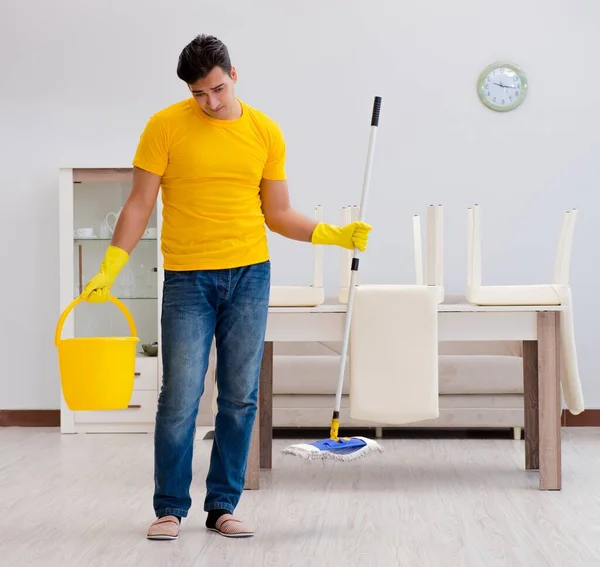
<point x="101" y="339"/>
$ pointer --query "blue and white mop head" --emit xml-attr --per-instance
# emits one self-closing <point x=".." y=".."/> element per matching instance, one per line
<point x="345" y="449"/>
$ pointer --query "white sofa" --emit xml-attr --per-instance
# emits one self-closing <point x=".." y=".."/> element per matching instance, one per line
<point x="481" y="386"/>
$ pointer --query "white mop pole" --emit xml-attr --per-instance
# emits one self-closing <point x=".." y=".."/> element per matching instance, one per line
<point x="355" y="264"/>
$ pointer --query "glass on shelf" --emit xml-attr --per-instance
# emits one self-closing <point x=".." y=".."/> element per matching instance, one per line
<point x="136" y="281"/>
<point x="97" y="239"/>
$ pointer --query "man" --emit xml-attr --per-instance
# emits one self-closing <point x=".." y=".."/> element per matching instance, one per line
<point x="221" y="166"/>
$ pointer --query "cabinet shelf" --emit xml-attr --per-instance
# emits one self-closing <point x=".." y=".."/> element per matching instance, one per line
<point x="137" y="298"/>
<point x="80" y="239"/>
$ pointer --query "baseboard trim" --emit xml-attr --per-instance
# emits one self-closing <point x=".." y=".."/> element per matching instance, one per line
<point x="587" y="418"/>
<point x="29" y="418"/>
<point x="51" y="418"/>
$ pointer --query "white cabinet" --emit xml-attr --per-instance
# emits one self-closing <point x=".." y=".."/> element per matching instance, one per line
<point x="87" y="197"/>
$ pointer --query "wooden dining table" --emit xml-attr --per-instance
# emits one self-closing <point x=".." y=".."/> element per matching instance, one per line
<point x="537" y="327"/>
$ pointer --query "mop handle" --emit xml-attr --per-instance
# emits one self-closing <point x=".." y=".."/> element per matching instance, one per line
<point x="371" y="150"/>
<point x="355" y="259"/>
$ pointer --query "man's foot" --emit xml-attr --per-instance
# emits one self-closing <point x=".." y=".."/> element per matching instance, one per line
<point x="213" y="516"/>
<point x="228" y="526"/>
<point x="166" y="527"/>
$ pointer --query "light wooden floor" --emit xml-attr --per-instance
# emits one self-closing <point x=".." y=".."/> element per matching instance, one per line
<point x="86" y="500"/>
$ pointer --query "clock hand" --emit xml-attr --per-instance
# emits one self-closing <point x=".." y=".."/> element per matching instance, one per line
<point x="505" y="86"/>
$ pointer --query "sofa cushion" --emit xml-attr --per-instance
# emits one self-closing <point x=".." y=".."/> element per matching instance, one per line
<point x="304" y="348"/>
<point x="508" y="348"/>
<point x="307" y="374"/>
<point x="499" y="348"/>
<point x="459" y="374"/>
<point x="480" y="374"/>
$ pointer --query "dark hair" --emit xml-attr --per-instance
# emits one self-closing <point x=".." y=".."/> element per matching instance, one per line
<point x="201" y="56"/>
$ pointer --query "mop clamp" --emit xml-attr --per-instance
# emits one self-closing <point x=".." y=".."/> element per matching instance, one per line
<point x="335" y="427"/>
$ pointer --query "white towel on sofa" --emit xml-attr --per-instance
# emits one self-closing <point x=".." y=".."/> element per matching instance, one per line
<point x="394" y="354"/>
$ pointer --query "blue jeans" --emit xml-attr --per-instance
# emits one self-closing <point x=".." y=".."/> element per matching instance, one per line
<point x="230" y="305"/>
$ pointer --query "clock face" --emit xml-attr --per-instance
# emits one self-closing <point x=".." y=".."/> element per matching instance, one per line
<point x="502" y="86"/>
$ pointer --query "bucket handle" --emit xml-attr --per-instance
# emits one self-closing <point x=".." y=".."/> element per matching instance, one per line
<point x="78" y="300"/>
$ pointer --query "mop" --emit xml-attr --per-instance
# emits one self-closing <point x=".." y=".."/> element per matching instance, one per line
<point x="345" y="448"/>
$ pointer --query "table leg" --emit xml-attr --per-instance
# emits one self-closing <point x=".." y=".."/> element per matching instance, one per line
<point x="253" y="464"/>
<point x="531" y="401"/>
<point x="549" y="400"/>
<point x="266" y="407"/>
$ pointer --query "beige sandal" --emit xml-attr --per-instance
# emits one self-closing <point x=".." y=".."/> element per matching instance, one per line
<point x="166" y="527"/>
<point x="229" y="526"/>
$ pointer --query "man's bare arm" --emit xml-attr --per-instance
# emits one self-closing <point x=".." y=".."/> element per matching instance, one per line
<point x="280" y="217"/>
<point x="133" y="219"/>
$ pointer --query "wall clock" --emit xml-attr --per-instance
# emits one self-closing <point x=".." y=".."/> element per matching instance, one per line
<point x="502" y="86"/>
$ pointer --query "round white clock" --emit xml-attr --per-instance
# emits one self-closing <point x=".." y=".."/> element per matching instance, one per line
<point x="502" y="86"/>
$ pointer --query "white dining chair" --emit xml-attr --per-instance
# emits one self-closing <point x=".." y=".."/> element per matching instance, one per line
<point x="430" y="272"/>
<point x="303" y="296"/>
<point x="520" y="294"/>
<point x="556" y="292"/>
<point x="427" y="272"/>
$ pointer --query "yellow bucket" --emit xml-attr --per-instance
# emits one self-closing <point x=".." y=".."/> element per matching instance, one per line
<point x="97" y="373"/>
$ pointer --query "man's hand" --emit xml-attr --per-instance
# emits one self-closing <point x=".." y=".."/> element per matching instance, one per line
<point x="350" y="236"/>
<point x="98" y="288"/>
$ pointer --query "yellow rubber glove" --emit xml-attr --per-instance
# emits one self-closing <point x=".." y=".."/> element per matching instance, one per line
<point x="98" y="288"/>
<point x="350" y="236"/>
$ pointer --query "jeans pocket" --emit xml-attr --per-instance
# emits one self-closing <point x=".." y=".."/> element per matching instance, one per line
<point x="256" y="282"/>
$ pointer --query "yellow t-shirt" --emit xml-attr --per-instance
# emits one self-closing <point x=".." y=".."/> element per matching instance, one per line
<point x="211" y="171"/>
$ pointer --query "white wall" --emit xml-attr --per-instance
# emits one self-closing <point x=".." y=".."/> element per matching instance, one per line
<point x="79" y="80"/>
